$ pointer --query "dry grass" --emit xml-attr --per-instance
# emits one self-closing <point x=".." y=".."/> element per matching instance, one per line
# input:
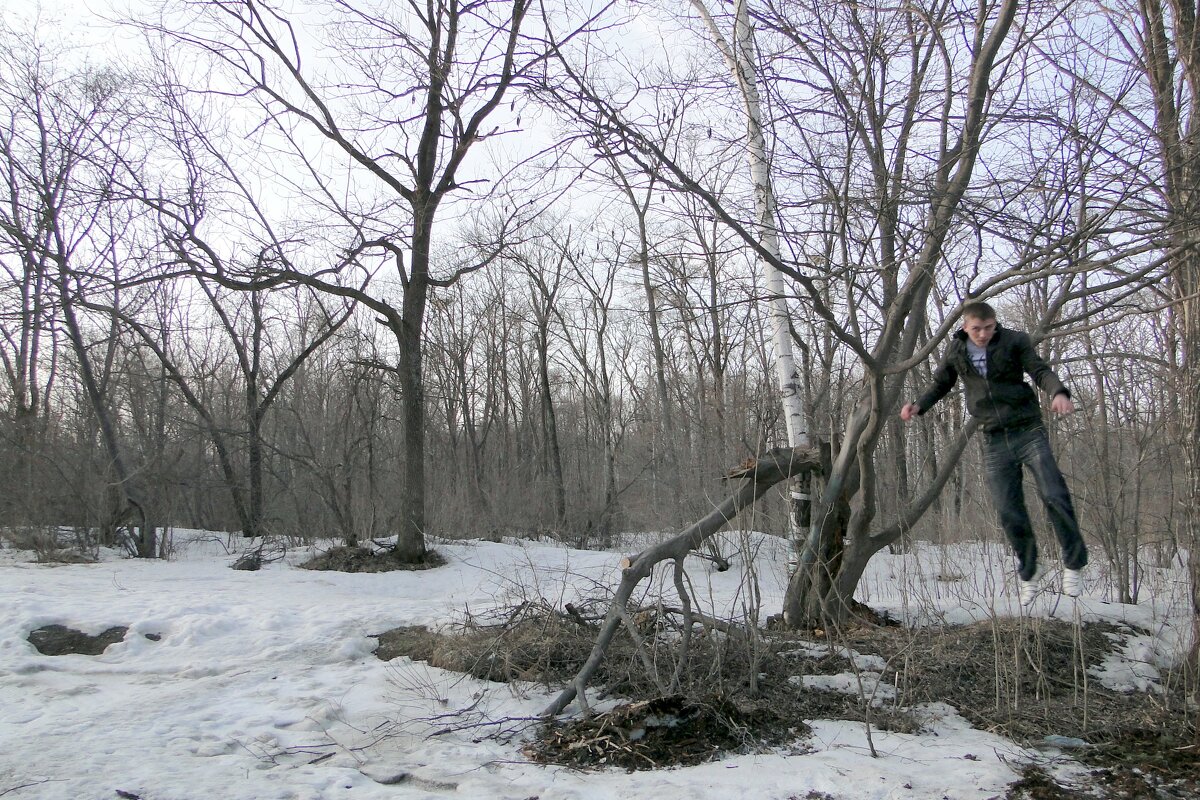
<point x="733" y="695"/>
<point x="51" y="545"/>
<point x="530" y="645"/>
<point x="1024" y="679"/>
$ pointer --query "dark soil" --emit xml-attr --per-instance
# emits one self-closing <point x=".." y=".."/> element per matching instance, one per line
<point x="1023" y="679"/>
<point x="59" y="640"/>
<point x="637" y="735"/>
<point x="1035" y="784"/>
<point x="360" y="559"/>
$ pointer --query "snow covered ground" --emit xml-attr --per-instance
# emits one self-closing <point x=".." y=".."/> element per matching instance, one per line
<point x="263" y="684"/>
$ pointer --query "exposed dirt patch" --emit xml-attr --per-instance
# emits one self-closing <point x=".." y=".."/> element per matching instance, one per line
<point x="733" y="693"/>
<point x="59" y="640"/>
<point x="1035" y="784"/>
<point x="415" y="641"/>
<point x="663" y="730"/>
<point x="360" y="559"/>
<point x="1161" y="762"/>
<point x="1029" y="679"/>
<point x="1024" y="679"/>
<point x="65" y="556"/>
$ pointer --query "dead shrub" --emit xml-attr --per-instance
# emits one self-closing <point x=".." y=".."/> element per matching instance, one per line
<point x="51" y="545"/>
<point x="1021" y="678"/>
<point x="733" y="693"/>
<point x="360" y="559"/>
<point x="662" y="731"/>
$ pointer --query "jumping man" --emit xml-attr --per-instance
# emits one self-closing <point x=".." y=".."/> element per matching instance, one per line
<point x="992" y="362"/>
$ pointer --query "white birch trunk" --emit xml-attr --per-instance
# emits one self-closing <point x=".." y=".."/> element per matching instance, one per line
<point x="741" y="58"/>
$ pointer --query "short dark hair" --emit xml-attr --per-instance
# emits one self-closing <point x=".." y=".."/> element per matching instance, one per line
<point x="977" y="309"/>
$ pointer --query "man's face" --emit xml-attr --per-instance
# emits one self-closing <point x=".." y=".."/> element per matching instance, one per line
<point x="979" y="331"/>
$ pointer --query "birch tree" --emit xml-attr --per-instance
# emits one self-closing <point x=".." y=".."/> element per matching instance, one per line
<point x="740" y="54"/>
<point x="880" y="117"/>
<point x="825" y="582"/>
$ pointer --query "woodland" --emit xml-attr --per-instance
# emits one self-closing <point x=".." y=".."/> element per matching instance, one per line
<point x="374" y="272"/>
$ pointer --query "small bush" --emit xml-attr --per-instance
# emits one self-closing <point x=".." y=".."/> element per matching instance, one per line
<point x="51" y="545"/>
<point x="360" y="559"/>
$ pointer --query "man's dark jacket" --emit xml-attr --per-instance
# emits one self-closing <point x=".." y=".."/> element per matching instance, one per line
<point x="1002" y="400"/>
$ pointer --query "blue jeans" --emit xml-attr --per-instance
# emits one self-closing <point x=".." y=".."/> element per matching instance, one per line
<point x="1004" y="455"/>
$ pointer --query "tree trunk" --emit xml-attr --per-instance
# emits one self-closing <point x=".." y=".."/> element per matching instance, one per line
<point x="741" y="56"/>
<point x="1170" y="56"/>
<point x="145" y="541"/>
<point x="552" y="450"/>
<point x="1188" y="284"/>
<point x="410" y="539"/>
<point x="254" y="470"/>
<point x="820" y="592"/>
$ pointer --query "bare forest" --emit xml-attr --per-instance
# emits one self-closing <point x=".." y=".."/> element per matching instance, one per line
<point x="348" y="271"/>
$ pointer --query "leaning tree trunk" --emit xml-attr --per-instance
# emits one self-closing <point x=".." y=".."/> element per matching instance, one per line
<point x="756" y="479"/>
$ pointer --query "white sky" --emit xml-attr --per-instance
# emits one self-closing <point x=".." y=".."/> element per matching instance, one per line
<point x="83" y="22"/>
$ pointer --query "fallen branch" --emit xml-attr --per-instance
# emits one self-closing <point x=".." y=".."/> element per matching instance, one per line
<point x="757" y="477"/>
<point x="24" y="786"/>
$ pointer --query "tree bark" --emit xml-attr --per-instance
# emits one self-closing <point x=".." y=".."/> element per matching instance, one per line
<point x="410" y="540"/>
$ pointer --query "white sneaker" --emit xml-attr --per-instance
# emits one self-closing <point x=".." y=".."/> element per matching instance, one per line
<point x="1031" y="587"/>
<point x="1072" y="582"/>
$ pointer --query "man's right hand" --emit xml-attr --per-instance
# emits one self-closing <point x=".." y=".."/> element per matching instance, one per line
<point x="909" y="411"/>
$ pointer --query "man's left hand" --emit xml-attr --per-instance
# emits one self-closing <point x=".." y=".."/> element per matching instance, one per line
<point x="1061" y="404"/>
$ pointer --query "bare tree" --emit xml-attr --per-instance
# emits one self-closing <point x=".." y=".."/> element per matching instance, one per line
<point x="881" y="119"/>
<point x="590" y="329"/>
<point x="545" y="267"/>
<point x="739" y="50"/>
<point x="263" y="374"/>
<point x="814" y="592"/>
<point x="413" y="91"/>
<point x="66" y="143"/>
<point x="1164" y="47"/>
<point x="335" y="442"/>
<point x="30" y="337"/>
